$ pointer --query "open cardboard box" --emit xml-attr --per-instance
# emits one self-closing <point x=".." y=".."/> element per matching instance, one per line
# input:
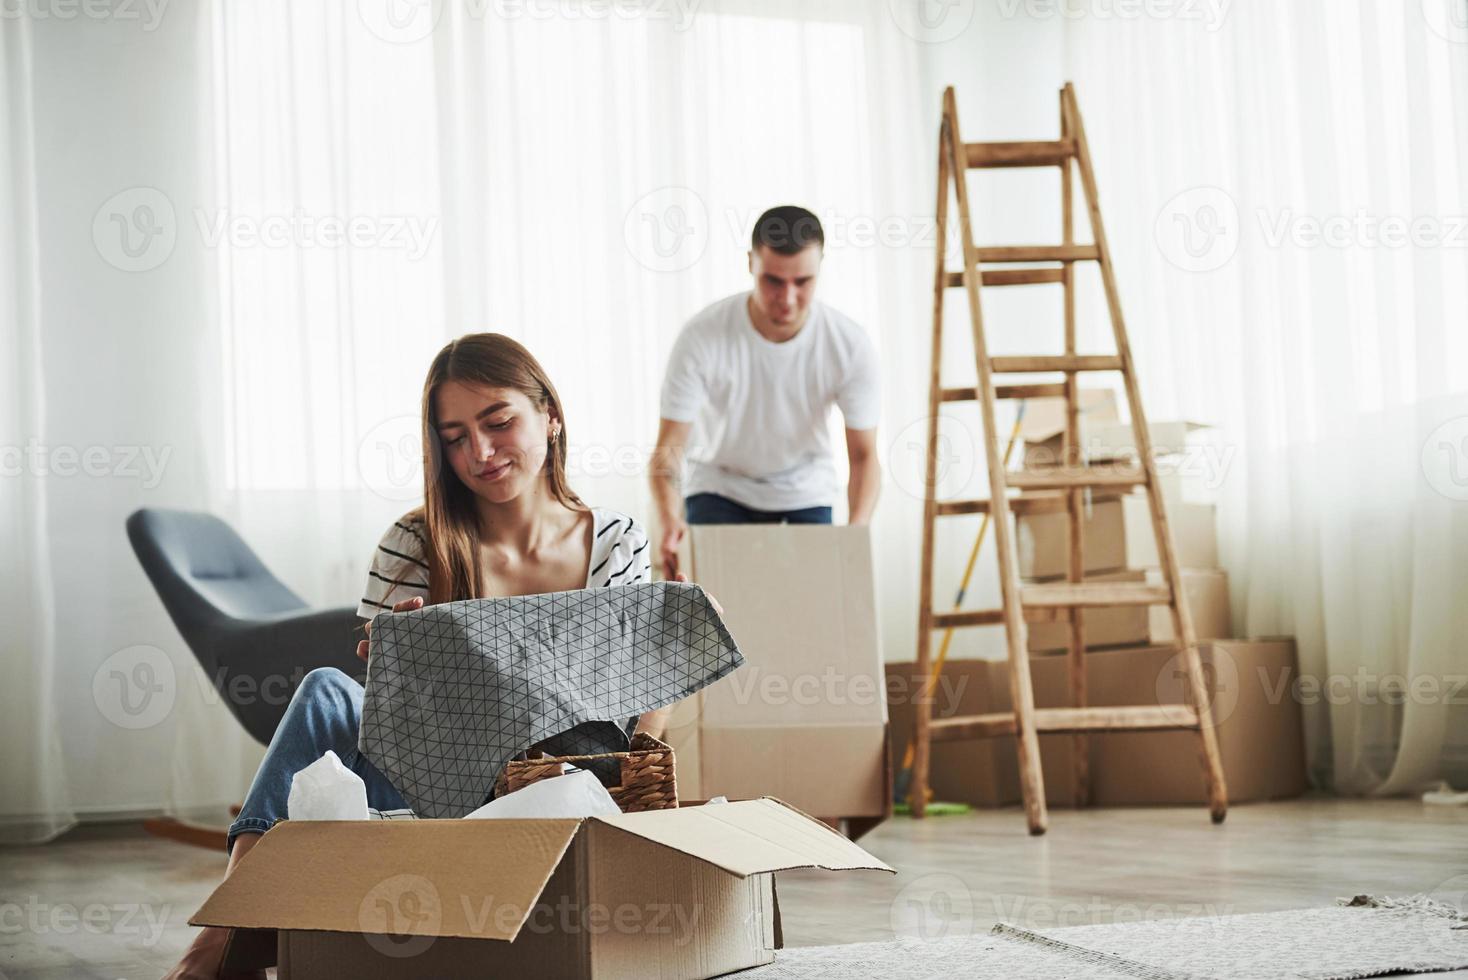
<point x="805" y="718"/>
<point x="680" y="893"/>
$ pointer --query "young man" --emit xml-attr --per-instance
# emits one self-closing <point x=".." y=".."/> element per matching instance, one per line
<point x="758" y="372"/>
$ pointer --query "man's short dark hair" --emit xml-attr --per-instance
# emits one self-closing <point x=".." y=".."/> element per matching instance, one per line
<point x="788" y="229"/>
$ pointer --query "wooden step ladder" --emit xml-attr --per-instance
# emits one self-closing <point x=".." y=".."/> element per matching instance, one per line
<point x="1068" y="483"/>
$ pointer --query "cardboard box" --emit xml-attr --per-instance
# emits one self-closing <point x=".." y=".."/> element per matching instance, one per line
<point x="966" y="771"/>
<point x="1114" y="626"/>
<point x="1206" y="590"/>
<point x="1043" y="425"/>
<point x="668" y="893"/>
<point x="1194" y="533"/>
<point x="1259" y="727"/>
<point x="805" y="718"/>
<point x="1118" y="534"/>
<point x="1116" y="440"/>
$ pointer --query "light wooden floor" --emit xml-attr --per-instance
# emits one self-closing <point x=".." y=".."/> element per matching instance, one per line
<point x="112" y="902"/>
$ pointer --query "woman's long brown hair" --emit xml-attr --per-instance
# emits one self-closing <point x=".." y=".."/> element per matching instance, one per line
<point x="488" y="360"/>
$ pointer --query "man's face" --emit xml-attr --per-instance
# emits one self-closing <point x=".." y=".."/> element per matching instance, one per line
<point x="784" y="285"/>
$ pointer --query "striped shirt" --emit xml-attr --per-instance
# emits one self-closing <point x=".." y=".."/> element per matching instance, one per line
<point x="619" y="556"/>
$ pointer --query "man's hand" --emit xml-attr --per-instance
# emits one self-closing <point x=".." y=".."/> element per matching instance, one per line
<point x="665" y="473"/>
<point x="407" y="604"/>
<point x="673" y="536"/>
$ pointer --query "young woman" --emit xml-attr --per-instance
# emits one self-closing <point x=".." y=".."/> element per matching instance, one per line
<point x="498" y="519"/>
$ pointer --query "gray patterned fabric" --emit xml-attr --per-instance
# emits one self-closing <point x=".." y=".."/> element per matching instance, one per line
<point x="456" y="690"/>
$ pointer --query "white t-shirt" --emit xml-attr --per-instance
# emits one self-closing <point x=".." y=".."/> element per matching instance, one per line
<point x="760" y="408"/>
<point x="619" y="556"/>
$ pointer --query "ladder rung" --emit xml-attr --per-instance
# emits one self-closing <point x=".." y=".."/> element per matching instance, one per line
<point x="1055" y="390"/>
<point x="1039" y="253"/>
<point x="1141" y="718"/>
<point x="1170" y="717"/>
<point x="1022" y="277"/>
<point x="1040" y="503"/>
<point x="1011" y="277"/>
<point x="1087" y="594"/>
<point x="1033" y="364"/>
<point x="970" y="617"/>
<point x="1034" y="153"/>
<point x="1064" y="478"/>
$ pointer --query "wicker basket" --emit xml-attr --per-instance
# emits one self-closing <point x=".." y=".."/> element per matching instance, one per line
<point x="648" y="781"/>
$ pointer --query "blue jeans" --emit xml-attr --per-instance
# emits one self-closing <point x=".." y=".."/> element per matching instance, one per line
<point x="710" y="508"/>
<point x="324" y="713"/>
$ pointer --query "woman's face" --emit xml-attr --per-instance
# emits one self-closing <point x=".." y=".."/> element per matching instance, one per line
<point x="494" y="439"/>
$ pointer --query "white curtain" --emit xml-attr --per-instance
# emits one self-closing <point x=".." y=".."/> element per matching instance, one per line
<point x="240" y="254"/>
<point x="1288" y="208"/>
<point x="34" y="790"/>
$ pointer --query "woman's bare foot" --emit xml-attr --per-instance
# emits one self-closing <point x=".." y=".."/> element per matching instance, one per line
<point x="205" y="955"/>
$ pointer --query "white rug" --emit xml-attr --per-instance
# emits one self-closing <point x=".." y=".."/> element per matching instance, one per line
<point x="1367" y="937"/>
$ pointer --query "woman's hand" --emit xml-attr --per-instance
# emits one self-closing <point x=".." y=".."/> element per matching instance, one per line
<point x="680" y="577"/>
<point x="406" y="605"/>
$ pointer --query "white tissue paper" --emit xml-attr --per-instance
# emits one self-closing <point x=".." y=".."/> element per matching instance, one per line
<point x="575" y="794"/>
<point x="327" y="790"/>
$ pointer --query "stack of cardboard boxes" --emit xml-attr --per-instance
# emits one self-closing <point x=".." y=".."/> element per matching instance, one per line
<point x="1118" y="537"/>
<point x="1131" y="658"/>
